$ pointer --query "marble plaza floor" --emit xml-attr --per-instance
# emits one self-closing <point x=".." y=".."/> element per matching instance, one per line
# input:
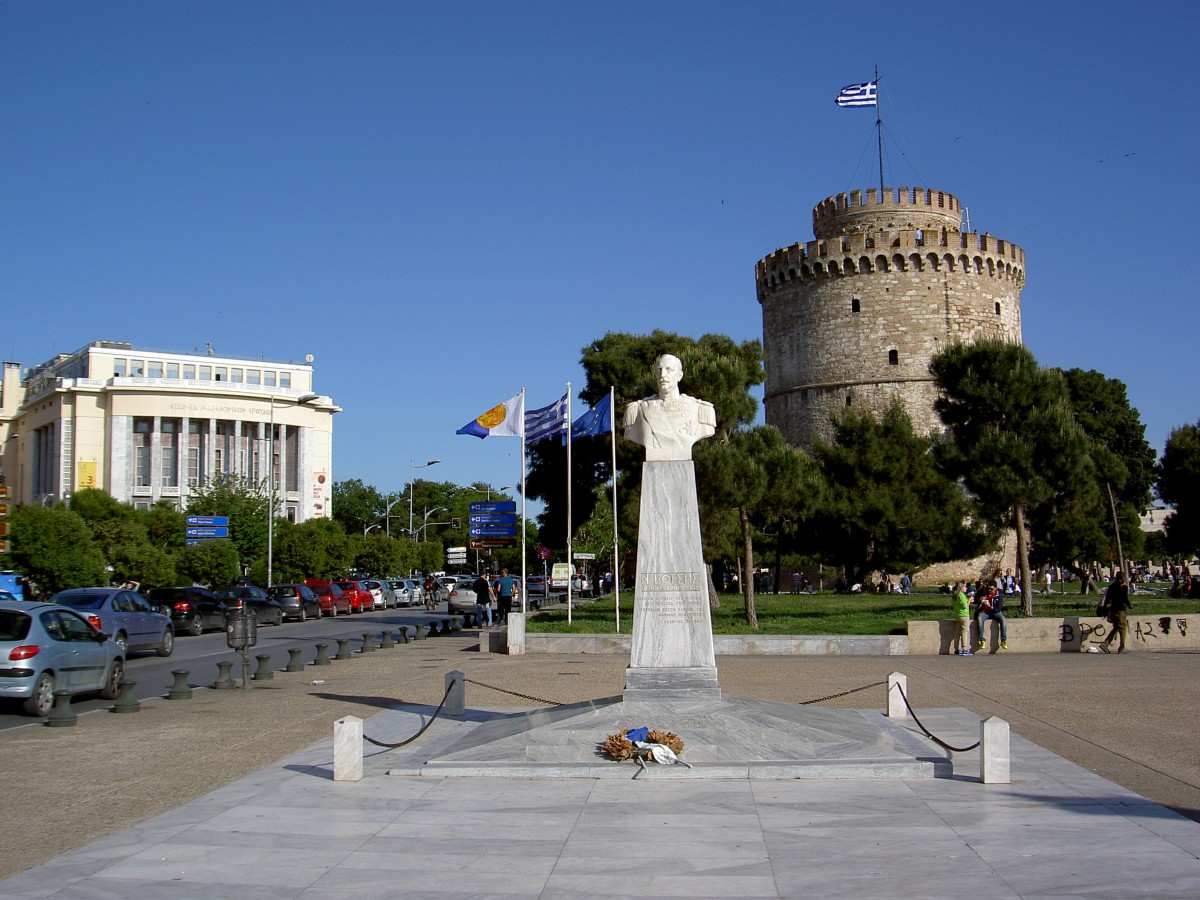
<point x="290" y="831"/>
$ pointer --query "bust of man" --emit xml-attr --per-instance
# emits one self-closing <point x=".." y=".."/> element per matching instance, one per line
<point x="667" y="425"/>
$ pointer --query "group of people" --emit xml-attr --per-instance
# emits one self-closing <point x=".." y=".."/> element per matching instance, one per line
<point x="987" y="598"/>
<point x="503" y="591"/>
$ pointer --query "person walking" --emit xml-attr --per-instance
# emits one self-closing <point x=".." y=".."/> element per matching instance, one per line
<point x="504" y="588"/>
<point x="483" y="600"/>
<point x="961" y="607"/>
<point x="1116" y="599"/>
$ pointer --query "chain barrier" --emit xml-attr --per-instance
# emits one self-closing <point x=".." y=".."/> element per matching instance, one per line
<point x="843" y="693"/>
<point x="437" y="712"/>
<point x="492" y="687"/>
<point x="929" y="734"/>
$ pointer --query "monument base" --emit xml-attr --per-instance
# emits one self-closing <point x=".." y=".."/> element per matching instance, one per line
<point x="671" y="683"/>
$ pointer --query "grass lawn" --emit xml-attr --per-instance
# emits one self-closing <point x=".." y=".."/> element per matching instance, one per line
<point x="829" y="613"/>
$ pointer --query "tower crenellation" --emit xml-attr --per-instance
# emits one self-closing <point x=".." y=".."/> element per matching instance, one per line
<point x="853" y="318"/>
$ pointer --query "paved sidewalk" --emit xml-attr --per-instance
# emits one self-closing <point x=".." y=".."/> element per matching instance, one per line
<point x="287" y="830"/>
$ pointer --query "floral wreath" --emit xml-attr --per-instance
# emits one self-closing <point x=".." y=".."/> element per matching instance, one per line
<point x="644" y="744"/>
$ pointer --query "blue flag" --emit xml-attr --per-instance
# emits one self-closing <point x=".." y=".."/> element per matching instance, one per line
<point x="547" y="421"/>
<point x="596" y="420"/>
<point x="858" y="95"/>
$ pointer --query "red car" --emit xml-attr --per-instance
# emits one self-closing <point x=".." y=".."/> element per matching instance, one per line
<point x="360" y="598"/>
<point x="333" y="600"/>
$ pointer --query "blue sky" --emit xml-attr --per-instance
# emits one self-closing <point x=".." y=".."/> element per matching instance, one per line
<point x="444" y="202"/>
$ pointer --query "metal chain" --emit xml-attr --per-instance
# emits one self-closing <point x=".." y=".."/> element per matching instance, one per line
<point x="842" y="694"/>
<point x="437" y="712"/>
<point x="937" y="740"/>
<point x="513" y="693"/>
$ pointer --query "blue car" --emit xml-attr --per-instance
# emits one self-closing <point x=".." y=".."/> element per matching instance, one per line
<point x="45" y="647"/>
<point x="124" y="614"/>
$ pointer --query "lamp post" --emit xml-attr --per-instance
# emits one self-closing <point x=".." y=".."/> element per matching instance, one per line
<point x="369" y="529"/>
<point x="411" y="485"/>
<point x="425" y="521"/>
<point x="303" y="398"/>
<point x="387" y="515"/>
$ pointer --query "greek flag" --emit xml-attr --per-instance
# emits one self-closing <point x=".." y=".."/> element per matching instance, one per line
<point x="547" y="421"/>
<point x="596" y="420"/>
<point x="858" y="95"/>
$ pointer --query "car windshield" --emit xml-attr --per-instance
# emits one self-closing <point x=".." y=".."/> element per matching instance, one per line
<point x="14" y="625"/>
<point x="5" y="595"/>
<point x="228" y="593"/>
<point x="79" y="599"/>
<point x="280" y="591"/>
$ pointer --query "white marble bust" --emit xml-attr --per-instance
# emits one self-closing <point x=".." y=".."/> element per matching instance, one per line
<point x="668" y="425"/>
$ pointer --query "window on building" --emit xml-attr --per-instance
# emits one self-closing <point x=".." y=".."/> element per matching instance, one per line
<point x="120" y="367"/>
<point x="189" y="371"/>
<point x="235" y="375"/>
<point x="253" y="376"/>
<point x="172" y="370"/>
<point x="156" y="368"/>
<point x="285" y="379"/>
<point x="220" y="374"/>
<point x="269" y="379"/>
<point x="137" y="368"/>
<point x="849" y="400"/>
<point x="893" y="357"/>
<point x="855" y="305"/>
<point x="206" y="373"/>
<point x="143" y="426"/>
<point x="142" y="474"/>
<point x="997" y="309"/>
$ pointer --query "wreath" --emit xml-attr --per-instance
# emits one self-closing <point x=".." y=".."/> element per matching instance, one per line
<point x="643" y="744"/>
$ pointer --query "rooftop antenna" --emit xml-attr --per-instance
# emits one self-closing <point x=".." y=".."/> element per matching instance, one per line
<point x="208" y="350"/>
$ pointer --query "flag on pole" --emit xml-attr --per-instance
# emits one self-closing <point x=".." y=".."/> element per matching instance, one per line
<point x="859" y="95"/>
<point x="505" y="419"/>
<point x="596" y="420"/>
<point x="547" y="421"/>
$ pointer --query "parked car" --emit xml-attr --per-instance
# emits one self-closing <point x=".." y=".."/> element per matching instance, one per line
<point x="535" y="590"/>
<point x="446" y="584"/>
<point x="46" y="647"/>
<point x="360" y="598"/>
<point x="462" y="597"/>
<point x="298" y="601"/>
<point x="333" y="600"/>
<point x="581" y="585"/>
<point x="381" y="591"/>
<point x="267" y="610"/>
<point x="127" y="616"/>
<point x="415" y="592"/>
<point x="193" y="610"/>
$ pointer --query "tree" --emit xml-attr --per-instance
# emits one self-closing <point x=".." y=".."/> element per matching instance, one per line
<point x="54" y="547"/>
<point x="246" y="506"/>
<point x="377" y="554"/>
<point x="1012" y="439"/>
<point x="1179" y="486"/>
<point x="317" y="548"/>
<point x="887" y="507"/>
<point x="357" y="506"/>
<point x="213" y="563"/>
<point x="94" y="505"/>
<point x="132" y="556"/>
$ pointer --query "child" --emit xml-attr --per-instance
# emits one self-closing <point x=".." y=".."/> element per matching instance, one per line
<point x="961" y="608"/>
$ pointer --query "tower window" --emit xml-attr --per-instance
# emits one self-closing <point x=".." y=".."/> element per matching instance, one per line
<point x="997" y="309"/>
<point x="855" y="305"/>
<point x="849" y="399"/>
<point x="893" y="357"/>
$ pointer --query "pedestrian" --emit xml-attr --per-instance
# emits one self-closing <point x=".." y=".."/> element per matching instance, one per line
<point x="961" y="608"/>
<point x="990" y="605"/>
<point x="795" y="582"/>
<point x="504" y="590"/>
<point x="1049" y="581"/>
<point x="1117" y="605"/>
<point x="483" y="600"/>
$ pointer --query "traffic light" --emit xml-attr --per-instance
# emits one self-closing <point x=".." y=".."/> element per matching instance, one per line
<point x="455" y="522"/>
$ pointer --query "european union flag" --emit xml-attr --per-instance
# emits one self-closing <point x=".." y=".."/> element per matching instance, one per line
<point x="595" y="421"/>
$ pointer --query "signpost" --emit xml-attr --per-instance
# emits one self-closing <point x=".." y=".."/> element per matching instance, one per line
<point x="200" y="529"/>
<point x="492" y="524"/>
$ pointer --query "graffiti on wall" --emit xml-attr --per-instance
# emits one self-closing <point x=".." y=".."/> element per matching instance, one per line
<point x="1146" y="630"/>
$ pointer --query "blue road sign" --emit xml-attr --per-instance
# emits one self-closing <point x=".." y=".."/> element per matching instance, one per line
<point x="492" y="531"/>
<point x="492" y="519"/>
<point x="494" y="506"/>
<point x="218" y="532"/>
<point x="208" y="520"/>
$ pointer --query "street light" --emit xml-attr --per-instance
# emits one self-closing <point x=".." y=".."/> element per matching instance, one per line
<point x="411" y="485"/>
<point x="503" y="487"/>
<point x="303" y="398"/>
<point x="370" y="528"/>
<point x="387" y="515"/>
<point x="429" y="512"/>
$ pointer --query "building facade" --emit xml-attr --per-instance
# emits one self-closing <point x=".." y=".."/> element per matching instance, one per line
<point x="853" y="318"/>
<point x="146" y="426"/>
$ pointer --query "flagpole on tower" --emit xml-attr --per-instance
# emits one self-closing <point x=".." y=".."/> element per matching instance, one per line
<point x="879" y="131"/>
<point x="570" y="564"/>
<point x="524" y="584"/>
<point x="612" y="433"/>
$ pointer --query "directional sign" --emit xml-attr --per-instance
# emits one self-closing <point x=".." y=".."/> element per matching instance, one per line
<point x="494" y="506"/>
<point x="456" y="549"/>
<point x="492" y="531"/>
<point x="214" y="532"/>
<point x="208" y="520"/>
<point x="492" y="519"/>
<point x="492" y="543"/>
<point x="585" y="555"/>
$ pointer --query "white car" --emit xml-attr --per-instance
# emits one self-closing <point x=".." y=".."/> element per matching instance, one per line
<point x="382" y="593"/>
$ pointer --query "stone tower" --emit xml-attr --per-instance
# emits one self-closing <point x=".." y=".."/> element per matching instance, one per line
<point x="853" y="318"/>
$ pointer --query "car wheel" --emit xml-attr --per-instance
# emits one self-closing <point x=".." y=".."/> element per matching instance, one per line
<point x="278" y="617"/>
<point x="333" y="610"/>
<point x="303" y="617"/>
<point x="112" y="689"/>
<point x="123" y="643"/>
<point x="195" y="627"/>
<point x="167" y="645"/>
<point x="41" y="701"/>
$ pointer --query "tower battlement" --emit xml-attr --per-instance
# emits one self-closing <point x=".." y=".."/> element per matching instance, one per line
<point x="892" y="209"/>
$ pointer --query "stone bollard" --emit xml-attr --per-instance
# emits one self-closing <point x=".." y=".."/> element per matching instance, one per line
<point x="446" y="627"/>
<point x="404" y="634"/>
<point x="294" y="664"/>
<point x="456" y="700"/>
<point x="897" y="691"/>
<point x="322" y="655"/>
<point x="224" y="682"/>
<point x="348" y="749"/>
<point x="180" y="690"/>
<point x="263" y="672"/>
<point x="344" y="651"/>
<point x="515" y="634"/>
<point x="368" y="643"/>
<point x="485" y="641"/>
<point x="126" y="703"/>
<point x="419" y="631"/>
<point x="456" y="625"/>
<point x="469" y="619"/>
<point x="61" y="714"/>
<point x="385" y="640"/>
<point x="994" y="757"/>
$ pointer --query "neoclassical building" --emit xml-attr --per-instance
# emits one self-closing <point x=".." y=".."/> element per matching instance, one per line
<point x="147" y="425"/>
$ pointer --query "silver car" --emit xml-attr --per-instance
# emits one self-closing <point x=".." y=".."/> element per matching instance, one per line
<point x="381" y="592"/>
<point x="46" y="648"/>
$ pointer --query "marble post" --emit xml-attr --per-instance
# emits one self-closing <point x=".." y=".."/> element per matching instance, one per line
<point x="995" y="760"/>
<point x="348" y="749"/>
<point x="896" y="707"/>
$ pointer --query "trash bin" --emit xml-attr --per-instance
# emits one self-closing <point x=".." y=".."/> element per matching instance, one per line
<point x="241" y="630"/>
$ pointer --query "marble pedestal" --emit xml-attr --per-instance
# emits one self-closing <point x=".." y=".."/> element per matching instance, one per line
<point x="671" y="654"/>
